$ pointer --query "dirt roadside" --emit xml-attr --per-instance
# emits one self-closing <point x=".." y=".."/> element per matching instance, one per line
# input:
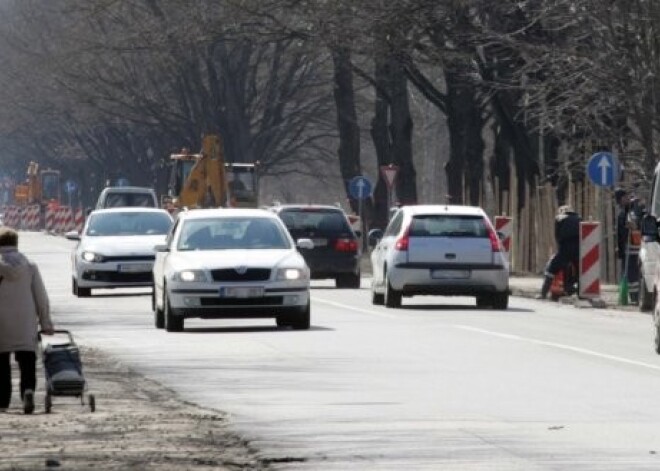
<point x="138" y="425"/>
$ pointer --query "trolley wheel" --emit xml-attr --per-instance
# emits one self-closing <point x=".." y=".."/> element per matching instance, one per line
<point x="48" y="403"/>
<point x="92" y="402"/>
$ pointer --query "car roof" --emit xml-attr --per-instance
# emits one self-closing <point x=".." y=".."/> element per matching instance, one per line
<point x="130" y="209"/>
<point x="443" y="209"/>
<point x="226" y="212"/>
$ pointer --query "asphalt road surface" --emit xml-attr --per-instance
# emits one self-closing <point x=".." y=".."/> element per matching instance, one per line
<point x="437" y="384"/>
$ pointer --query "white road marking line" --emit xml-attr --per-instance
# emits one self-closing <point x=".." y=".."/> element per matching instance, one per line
<point x="560" y="346"/>
<point x="353" y="308"/>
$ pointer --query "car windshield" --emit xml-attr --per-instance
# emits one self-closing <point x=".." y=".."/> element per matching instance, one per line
<point x="305" y="221"/>
<point x="442" y="225"/>
<point x="128" y="224"/>
<point x="230" y="233"/>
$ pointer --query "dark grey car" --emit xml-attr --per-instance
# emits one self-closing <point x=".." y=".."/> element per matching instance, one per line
<point x="336" y="253"/>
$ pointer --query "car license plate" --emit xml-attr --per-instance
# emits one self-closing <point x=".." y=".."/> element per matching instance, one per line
<point x="320" y="242"/>
<point x="450" y="274"/>
<point x="134" y="267"/>
<point x="241" y="292"/>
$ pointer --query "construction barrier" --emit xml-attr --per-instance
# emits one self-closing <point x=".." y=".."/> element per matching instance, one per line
<point x="79" y="219"/>
<point x="590" y="235"/>
<point x="504" y="226"/>
<point x="31" y="218"/>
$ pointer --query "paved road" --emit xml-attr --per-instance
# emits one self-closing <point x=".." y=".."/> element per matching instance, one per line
<point x="437" y="384"/>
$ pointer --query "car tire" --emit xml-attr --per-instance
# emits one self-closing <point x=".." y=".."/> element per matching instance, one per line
<point x="483" y="301"/>
<point x="172" y="323"/>
<point x="81" y="292"/>
<point x="657" y="340"/>
<point x="645" y="298"/>
<point x="159" y="317"/>
<point x="500" y="301"/>
<point x="392" y="296"/>
<point x="301" y="320"/>
<point x="377" y="299"/>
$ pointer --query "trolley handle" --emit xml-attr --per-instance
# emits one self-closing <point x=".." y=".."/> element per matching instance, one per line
<point x="65" y="332"/>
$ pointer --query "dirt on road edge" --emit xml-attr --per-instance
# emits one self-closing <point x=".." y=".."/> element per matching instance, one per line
<point x="138" y="425"/>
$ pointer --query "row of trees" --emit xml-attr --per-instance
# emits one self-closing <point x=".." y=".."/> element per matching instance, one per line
<point x="110" y="87"/>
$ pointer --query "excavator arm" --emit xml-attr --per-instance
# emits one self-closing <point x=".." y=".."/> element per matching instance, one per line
<point x="205" y="186"/>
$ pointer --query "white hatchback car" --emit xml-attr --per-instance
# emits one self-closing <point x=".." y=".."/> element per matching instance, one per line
<point x="439" y="250"/>
<point x="230" y="263"/>
<point x="116" y="248"/>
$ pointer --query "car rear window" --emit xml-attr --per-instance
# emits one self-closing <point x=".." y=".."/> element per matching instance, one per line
<point x="315" y="220"/>
<point x="444" y="225"/>
<point x="117" y="200"/>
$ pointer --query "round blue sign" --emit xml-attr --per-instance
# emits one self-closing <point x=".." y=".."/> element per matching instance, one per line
<point x="360" y="187"/>
<point x="604" y="169"/>
<point x="70" y="186"/>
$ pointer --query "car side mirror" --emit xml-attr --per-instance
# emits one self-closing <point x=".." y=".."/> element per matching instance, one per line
<point x="161" y="248"/>
<point x="650" y="229"/>
<point x="306" y="244"/>
<point x="374" y="236"/>
<point x="72" y="235"/>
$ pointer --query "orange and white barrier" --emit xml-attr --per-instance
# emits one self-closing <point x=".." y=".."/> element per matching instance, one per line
<point x="79" y="219"/>
<point x="590" y="234"/>
<point x="31" y="217"/>
<point x="13" y="217"/>
<point x="504" y="225"/>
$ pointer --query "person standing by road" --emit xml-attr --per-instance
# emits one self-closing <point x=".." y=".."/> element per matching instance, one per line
<point x="23" y="305"/>
<point x="629" y="241"/>
<point x="567" y="237"/>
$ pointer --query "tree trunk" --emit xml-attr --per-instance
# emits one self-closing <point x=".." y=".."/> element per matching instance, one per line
<point x="401" y="133"/>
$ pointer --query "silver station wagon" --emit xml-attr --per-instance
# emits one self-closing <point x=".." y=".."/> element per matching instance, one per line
<point x="439" y="250"/>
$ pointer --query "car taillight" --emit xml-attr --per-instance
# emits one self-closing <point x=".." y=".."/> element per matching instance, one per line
<point x="403" y="242"/>
<point x="495" y="243"/>
<point x="346" y="245"/>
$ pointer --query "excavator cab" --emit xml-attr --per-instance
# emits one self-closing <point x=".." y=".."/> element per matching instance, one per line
<point x="50" y="185"/>
<point x="205" y="180"/>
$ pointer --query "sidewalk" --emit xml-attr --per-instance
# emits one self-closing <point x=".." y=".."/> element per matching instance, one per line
<point x="530" y="286"/>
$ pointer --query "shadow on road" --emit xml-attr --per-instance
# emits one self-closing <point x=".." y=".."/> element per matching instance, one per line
<point x="458" y="307"/>
<point x="248" y="329"/>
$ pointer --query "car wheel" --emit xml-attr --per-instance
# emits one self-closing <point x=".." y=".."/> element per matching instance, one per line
<point x="282" y="320"/>
<point x="392" y="296"/>
<point x="483" y="301"/>
<point x="377" y="299"/>
<point x="657" y="340"/>
<point x="83" y="292"/>
<point x="353" y="280"/>
<point x="302" y="319"/>
<point x="645" y="298"/>
<point x="172" y="322"/>
<point x="500" y="301"/>
<point x="74" y="287"/>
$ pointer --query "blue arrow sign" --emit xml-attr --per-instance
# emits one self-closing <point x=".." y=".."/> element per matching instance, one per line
<point x="70" y="186"/>
<point x="360" y="187"/>
<point x="604" y="169"/>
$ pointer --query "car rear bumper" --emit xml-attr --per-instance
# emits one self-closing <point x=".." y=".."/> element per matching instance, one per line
<point x="329" y="267"/>
<point x="419" y="280"/>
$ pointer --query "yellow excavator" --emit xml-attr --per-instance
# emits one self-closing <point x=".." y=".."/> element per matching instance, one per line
<point x="205" y="180"/>
<point x="40" y="187"/>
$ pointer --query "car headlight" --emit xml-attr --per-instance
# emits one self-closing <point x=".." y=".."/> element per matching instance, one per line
<point x="291" y="274"/>
<point x="92" y="257"/>
<point x="191" y="276"/>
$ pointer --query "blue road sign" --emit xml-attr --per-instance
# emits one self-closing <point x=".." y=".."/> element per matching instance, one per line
<point x="122" y="182"/>
<point x="360" y="187"/>
<point x="71" y="186"/>
<point x="604" y="169"/>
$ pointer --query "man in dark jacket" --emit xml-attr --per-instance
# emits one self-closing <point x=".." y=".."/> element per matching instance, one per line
<point x="628" y="238"/>
<point x="567" y="236"/>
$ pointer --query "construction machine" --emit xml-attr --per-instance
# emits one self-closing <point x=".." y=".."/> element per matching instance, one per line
<point x="205" y="180"/>
<point x="40" y="187"/>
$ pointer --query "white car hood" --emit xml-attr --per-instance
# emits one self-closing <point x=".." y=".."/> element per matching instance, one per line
<point x="214" y="259"/>
<point x="122" y="245"/>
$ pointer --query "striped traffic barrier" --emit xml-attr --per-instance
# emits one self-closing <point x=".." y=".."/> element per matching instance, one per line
<point x="504" y="226"/>
<point x="590" y="234"/>
<point x="79" y="219"/>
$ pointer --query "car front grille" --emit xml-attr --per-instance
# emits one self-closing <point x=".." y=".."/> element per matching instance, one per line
<point x="251" y="274"/>
<point x="130" y="258"/>
<point x="116" y="277"/>
<point x="265" y="301"/>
